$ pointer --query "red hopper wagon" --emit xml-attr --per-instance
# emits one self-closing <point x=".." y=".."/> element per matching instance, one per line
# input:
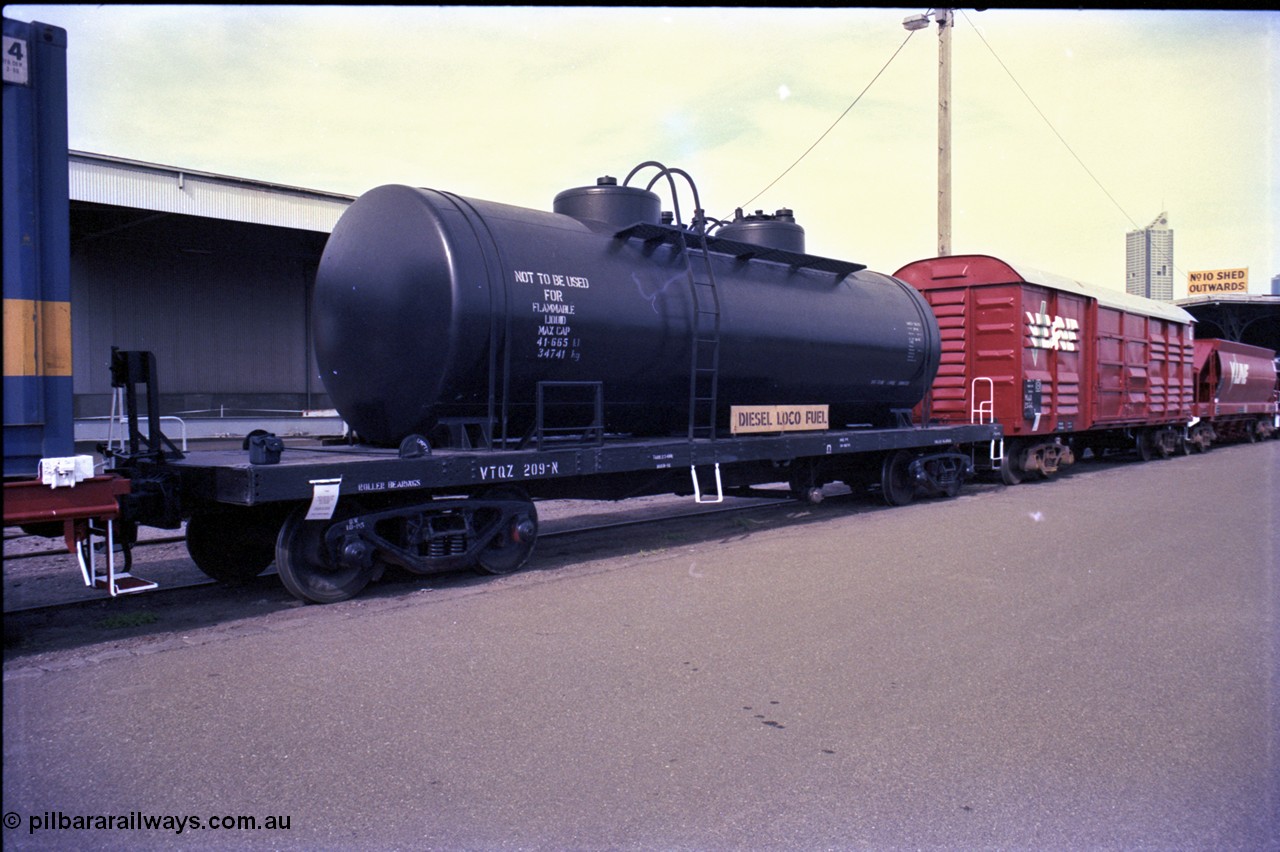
<point x="1235" y="393"/>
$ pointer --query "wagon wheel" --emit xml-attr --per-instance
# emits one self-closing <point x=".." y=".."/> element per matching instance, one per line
<point x="804" y="482"/>
<point x="233" y="546"/>
<point x="895" y="479"/>
<point x="1011" y="472"/>
<point x="305" y="566"/>
<point x="1079" y="448"/>
<point x="952" y="488"/>
<point x="1145" y="451"/>
<point x="510" y="547"/>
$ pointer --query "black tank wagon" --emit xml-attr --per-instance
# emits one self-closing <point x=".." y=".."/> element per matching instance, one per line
<point x="485" y="356"/>
<point x="434" y="308"/>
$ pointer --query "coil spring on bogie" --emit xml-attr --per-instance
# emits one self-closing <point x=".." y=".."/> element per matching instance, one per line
<point x="447" y="545"/>
<point x="436" y="536"/>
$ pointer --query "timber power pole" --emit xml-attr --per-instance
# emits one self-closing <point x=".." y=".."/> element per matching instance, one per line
<point x="946" y="21"/>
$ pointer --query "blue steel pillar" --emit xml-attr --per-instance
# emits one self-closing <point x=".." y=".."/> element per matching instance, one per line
<point x="37" y="252"/>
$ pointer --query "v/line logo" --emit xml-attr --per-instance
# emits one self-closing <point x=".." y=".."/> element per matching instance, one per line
<point x="1052" y="332"/>
<point x="1239" y="372"/>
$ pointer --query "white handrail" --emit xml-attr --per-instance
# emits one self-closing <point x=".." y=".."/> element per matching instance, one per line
<point x="118" y="416"/>
<point x="985" y="409"/>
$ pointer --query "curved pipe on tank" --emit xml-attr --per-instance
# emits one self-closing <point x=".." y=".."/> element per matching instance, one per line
<point x="667" y="172"/>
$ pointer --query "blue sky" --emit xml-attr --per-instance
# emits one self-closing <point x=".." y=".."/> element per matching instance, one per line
<point x="1167" y="110"/>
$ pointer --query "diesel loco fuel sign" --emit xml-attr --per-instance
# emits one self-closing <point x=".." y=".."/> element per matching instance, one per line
<point x="746" y="419"/>
<point x="1213" y="281"/>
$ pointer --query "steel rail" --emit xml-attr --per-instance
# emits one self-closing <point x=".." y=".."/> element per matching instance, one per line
<point x="757" y="503"/>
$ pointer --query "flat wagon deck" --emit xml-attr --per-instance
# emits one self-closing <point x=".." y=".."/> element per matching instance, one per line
<point x="229" y="477"/>
<point x="333" y="517"/>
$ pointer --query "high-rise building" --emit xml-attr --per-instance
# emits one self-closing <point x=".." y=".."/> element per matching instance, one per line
<point x="1149" y="260"/>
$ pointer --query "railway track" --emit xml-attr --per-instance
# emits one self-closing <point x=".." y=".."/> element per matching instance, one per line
<point x="556" y="528"/>
<point x="62" y="551"/>
<point x="558" y="524"/>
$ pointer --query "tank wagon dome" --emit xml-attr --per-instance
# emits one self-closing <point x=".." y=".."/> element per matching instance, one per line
<point x="607" y="202"/>
<point x="433" y="310"/>
<point x="778" y="230"/>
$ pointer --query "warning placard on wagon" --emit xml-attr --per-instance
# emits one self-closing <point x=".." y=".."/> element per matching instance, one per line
<point x="746" y="419"/>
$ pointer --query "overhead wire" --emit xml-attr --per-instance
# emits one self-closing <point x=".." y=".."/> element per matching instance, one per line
<point x="1014" y="79"/>
<point x="1046" y="120"/>
<point x="1178" y="269"/>
<point x="825" y="133"/>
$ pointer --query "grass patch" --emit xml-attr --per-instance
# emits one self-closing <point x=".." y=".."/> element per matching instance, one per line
<point x="128" y="619"/>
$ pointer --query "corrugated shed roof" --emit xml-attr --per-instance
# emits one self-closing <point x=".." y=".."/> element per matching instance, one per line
<point x="1261" y="299"/>
<point x="147" y="186"/>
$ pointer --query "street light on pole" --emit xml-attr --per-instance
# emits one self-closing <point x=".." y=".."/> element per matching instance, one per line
<point x="946" y="21"/>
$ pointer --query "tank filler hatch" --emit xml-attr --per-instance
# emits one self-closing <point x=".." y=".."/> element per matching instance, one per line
<point x="609" y="203"/>
<point x="778" y="230"/>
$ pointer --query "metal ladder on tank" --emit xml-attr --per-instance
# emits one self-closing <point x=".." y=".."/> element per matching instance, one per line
<point x="704" y="368"/>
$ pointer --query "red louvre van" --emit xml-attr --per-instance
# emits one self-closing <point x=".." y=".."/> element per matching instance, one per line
<point x="1063" y="366"/>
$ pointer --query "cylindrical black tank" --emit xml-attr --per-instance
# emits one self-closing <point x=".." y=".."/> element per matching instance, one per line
<point x="429" y="305"/>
